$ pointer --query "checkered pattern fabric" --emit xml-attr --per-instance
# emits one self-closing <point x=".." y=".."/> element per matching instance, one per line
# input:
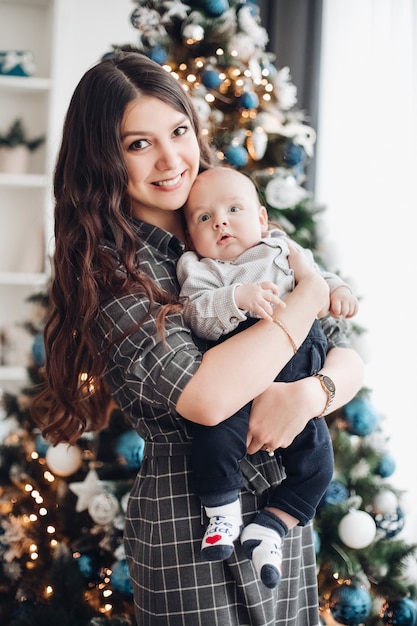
<point x="172" y="585"/>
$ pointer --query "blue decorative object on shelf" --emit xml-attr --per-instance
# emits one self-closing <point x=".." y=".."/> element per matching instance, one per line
<point x="38" y="350"/>
<point x="16" y="63"/>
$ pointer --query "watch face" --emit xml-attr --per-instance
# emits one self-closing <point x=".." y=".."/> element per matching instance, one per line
<point x="329" y="384"/>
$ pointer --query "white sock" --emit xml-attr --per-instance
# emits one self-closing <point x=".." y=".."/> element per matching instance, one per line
<point x="264" y="547"/>
<point x="223" y="529"/>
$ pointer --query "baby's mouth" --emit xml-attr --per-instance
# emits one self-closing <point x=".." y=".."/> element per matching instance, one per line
<point x="224" y="237"/>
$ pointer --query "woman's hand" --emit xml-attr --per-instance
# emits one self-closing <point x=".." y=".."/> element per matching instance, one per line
<point x="279" y="414"/>
<point x="298" y="263"/>
<point x="304" y="271"/>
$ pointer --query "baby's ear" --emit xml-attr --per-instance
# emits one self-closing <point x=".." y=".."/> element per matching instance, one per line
<point x="263" y="219"/>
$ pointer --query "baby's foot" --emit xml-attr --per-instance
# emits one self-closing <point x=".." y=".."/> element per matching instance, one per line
<point x="225" y="525"/>
<point x="264" y="547"/>
<point x="218" y="540"/>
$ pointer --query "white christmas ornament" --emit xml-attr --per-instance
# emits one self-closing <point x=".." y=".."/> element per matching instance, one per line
<point x="284" y="192"/>
<point x="192" y="33"/>
<point x="124" y="501"/>
<point x="241" y="46"/>
<point x="357" y="529"/>
<point x="257" y="143"/>
<point x="409" y="573"/>
<point x="103" y="508"/>
<point x="385" y="502"/>
<point x="86" y="490"/>
<point x="63" y="459"/>
<point x="270" y="122"/>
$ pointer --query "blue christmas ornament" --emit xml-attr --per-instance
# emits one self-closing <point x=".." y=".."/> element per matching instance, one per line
<point x="336" y="493"/>
<point x="400" y="613"/>
<point x="293" y="154"/>
<point x="211" y="79"/>
<point x="41" y="445"/>
<point x="350" y="604"/>
<point x="390" y="525"/>
<point x="386" y="466"/>
<point x="248" y="100"/>
<point x="129" y="447"/>
<point x="236" y="155"/>
<point x="120" y="579"/>
<point x="157" y="54"/>
<point x="215" y="8"/>
<point x="360" y="417"/>
<point x="85" y="565"/>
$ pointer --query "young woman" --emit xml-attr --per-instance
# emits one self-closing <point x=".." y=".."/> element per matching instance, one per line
<point x="131" y="149"/>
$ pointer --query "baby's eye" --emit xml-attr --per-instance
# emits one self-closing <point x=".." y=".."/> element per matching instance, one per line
<point x="139" y="144"/>
<point x="234" y="209"/>
<point x="204" y="218"/>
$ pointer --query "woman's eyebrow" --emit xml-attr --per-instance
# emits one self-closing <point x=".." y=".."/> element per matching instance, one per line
<point x="148" y="133"/>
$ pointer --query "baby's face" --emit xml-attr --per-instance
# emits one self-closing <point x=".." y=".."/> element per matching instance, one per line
<point x="223" y="214"/>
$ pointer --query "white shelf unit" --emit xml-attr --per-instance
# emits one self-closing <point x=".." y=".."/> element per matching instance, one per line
<point x="25" y="200"/>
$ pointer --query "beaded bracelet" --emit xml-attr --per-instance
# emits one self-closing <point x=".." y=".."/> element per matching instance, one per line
<point x="287" y="332"/>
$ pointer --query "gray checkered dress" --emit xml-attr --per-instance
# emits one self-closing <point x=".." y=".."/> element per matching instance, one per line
<point x="165" y="523"/>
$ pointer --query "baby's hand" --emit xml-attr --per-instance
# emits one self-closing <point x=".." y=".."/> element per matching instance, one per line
<point x="258" y="298"/>
<point x="343" y="303"/>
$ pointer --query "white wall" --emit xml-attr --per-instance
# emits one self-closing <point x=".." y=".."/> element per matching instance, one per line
<point x="84" y="31"/>
<point x="367" y="173"/>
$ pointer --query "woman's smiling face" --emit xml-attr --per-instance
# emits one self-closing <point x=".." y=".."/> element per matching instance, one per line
<point x="162" y="157"/>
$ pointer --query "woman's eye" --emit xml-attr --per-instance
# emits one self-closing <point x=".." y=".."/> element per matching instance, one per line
<point x="139" y="144"/>
<point x="181" y="130"/>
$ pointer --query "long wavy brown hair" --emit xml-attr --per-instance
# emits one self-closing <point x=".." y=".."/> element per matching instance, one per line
<point x="90" y="182"/>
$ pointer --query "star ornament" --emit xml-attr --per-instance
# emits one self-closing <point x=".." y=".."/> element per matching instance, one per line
<point x="175" y="8"/>
<point x="86" y="490"/>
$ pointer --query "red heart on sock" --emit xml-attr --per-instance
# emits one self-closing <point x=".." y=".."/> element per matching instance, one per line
<point x="213" y="539"/>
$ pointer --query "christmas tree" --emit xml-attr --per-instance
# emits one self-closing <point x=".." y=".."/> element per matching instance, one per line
<point x="217" y="49"/>
<point x="61" y="509"/>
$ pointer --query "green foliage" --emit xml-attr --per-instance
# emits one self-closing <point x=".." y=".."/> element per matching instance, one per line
<point x="16" y="136"/>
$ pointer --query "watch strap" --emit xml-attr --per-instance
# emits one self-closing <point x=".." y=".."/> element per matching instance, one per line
<point x="329" y="387"/>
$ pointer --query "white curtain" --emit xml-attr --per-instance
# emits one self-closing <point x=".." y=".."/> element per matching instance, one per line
<point x="367" y="178"/>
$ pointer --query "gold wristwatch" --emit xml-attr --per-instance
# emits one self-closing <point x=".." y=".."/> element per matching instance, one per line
<point x="330" y="388"/>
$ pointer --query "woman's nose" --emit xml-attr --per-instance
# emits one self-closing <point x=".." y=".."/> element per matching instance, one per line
<point x="168" y="158"/>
